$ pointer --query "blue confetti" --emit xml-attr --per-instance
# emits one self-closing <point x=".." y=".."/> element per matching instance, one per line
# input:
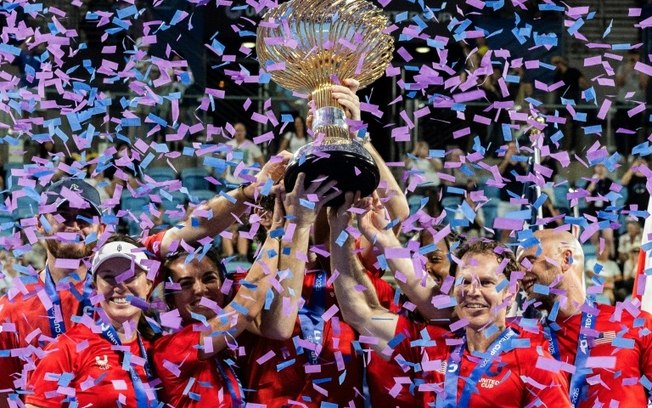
<point x="127" y="12"/>
<point x="307" y="203"/>
<point x="341" y="239"/>
<point x="438" y="154"/>
<point x="623" y="343"/>
<point x="229" y="197"/>
<point x="218" y="164"/>
<point x="575" y="27"/>
<point x="541" y="289"/>
<point x="285" y="364"/>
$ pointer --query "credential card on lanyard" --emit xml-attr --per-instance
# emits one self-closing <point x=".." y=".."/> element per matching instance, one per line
<point x="310" y="315"/>
<point x="497" y="347"/>
<point x="578" y="379"/>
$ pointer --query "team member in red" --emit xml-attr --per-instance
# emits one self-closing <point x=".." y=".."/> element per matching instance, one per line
<point x="610" y="348"/>
<point x="383" y="376"/>
<point x="191" y="378"/>
<point x="102" y="363"/>
<point x="70" y="233"/>
<point x="70" y="227"/>
<point x="320" y="365"/>
<point x="487" y="361"/>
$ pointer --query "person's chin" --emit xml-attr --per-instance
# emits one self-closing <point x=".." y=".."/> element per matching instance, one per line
<point x="122" y="314"/>
<point x="203" y="311"/>
<point x="478" y="324"/>
<point x="541" y="301"/>
<point x="476" y="319"/>
<point x="119" y="310"/>
<point x="69" y="250"/>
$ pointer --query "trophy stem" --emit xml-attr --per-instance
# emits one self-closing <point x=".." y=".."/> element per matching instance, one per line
<point x="329" y="117"/>
<point x="323" y="96"/>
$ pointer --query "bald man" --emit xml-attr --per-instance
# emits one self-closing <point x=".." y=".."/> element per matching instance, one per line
<point x="605" y="350"/>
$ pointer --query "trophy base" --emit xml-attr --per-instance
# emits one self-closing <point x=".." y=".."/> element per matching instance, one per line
<point x="337" y="162"/>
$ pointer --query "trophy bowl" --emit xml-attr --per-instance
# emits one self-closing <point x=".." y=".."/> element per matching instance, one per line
<point x="350" y="164"/>
<point x="307" y="46"/>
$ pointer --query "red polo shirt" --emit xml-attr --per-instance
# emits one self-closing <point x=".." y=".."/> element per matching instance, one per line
<point x="511" y="381"/>
<point x="26" y="331"/>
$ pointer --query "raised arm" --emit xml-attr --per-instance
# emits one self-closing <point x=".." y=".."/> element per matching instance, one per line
<point x="355" y="293"/>
<point x="627" y="177"/>
<point x="215" y="216"/>
<point x="247" y="302"/>
<point x="390" y="192"/>
<point x="301" y="208"/>
<point x="419" y="286"/>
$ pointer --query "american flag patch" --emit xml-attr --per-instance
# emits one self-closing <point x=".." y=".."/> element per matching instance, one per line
<point x="605" y="338"/>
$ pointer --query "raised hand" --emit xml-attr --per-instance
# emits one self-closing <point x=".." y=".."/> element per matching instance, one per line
<point x="274" y="168"/>
<point x="373" y="222"/>
<point x="278" y="217"/>
<point x="340" y="218"/>
<point x="345" y="96"/>
<point x="315" y="196"/>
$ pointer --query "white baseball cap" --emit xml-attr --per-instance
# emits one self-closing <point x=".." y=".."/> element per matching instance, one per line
<point x="119" y="249"/>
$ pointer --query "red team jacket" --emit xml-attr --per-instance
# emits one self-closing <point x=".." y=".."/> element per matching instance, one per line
<point x="94" y="367"/>
<point x="621" y="353"/>
<point x="512" y="381"/>
<point x="187" y="381"/>
<point x="26" y="331"/>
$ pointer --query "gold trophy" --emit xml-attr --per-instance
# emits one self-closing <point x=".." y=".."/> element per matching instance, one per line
<point x="321" y="42"/>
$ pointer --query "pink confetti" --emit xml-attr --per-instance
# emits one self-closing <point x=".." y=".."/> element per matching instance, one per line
<point x="601" y="362"/>
<point x="266" y="357"/>
<point x="330" y="313"/>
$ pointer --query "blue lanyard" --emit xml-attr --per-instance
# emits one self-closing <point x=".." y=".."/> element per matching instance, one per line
<point x="236" y="397"/>
<point x="497" y="347"/>
<point x="85" y="305"/>
<point x="553" y="346"/>
<point x="109" y="333"/>
<point x="59" y="327"/>
<point x="578" y="378"/>
<point x="56" y="327"/>
<point x="312" y="325"/>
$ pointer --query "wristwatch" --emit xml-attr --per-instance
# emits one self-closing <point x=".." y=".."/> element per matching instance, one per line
<point x="363" y="139"/>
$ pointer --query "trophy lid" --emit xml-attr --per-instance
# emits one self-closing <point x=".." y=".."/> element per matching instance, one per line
<point x="308" y="43"/>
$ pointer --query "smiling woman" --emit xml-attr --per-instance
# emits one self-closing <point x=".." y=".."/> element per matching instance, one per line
<point x="110" y="349"/>
<point x="195" y="352"/>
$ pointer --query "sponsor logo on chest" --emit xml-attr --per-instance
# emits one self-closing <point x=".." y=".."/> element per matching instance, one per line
<point x="102" y="362"/>
<point x="488" y="383"/>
